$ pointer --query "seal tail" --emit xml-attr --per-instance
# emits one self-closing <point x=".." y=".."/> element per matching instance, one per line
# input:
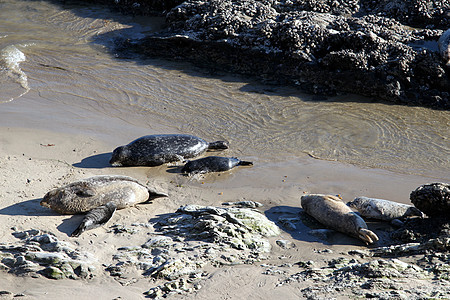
<point x="219" y="145"/>
<point x="153" y="194"/>
<point x="95" y="218"/>
<point x="245" y="163"/>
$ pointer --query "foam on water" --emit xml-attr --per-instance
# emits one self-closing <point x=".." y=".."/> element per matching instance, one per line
<point x="13" y="80"/>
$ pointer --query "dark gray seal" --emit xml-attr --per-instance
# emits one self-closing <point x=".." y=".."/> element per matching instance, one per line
<point x="213" y="164"/>
<point x="155" y="150"/>
<point x="99" y="197"/>
<point x="332" y="212"/>
<point x="383" y="209"/>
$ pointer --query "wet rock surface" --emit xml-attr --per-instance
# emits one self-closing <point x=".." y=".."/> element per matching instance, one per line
<point x="42" y="254"/>
<point x="381" y="49"/>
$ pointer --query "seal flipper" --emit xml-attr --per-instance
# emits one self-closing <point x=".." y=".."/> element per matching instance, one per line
<point x="95" y="218"/>
<point x="369" y="237"/>
<point x="219" y="145"/>
<point x="245" y="163"/>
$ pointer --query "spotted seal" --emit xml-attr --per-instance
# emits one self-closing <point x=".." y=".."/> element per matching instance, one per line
<point x="331" y="211"/>
<point x="99" y="197"/>
<point x="383" y="209"/>
<point x="444" y="46"/>
<point x="155" y="150"/>
<point x="213" y="164"/>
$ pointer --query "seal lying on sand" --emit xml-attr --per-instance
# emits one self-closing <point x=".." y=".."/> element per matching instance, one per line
<point x="99" y="196"/>
<point x="444" y="47"/>
<point x="332" y="212"/>
<point x="155" y="150"/>
<point x="383" y="209"/>
<point x="213" y="164"/>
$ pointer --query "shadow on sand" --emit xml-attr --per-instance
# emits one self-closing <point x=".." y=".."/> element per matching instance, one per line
<point x="69" y="224"/>
<point x="33" y="208"/>
<point x="28" y="208"/>
<point x="98" y="161"/>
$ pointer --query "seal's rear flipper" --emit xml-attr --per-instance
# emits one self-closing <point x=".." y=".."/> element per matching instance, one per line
<point x="219" y="145"/>
<point x="367" y="236"/>
<point x="245" y="163"/>
<point x="95" y="218"/>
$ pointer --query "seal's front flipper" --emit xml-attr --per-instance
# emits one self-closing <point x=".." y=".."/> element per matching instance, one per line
<point x="95" y="218"/>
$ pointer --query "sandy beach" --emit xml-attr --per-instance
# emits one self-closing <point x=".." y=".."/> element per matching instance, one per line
<point x="35" y="161"/>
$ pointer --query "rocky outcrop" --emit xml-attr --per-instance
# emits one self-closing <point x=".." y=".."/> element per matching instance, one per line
<point x="433" y="199"/>
<point x="326" y="47"/>
<point x="192" y="238"/>
<point x="39" y="253"/>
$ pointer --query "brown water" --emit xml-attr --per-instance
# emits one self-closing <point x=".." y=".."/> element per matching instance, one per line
<point x="58" y="71"/>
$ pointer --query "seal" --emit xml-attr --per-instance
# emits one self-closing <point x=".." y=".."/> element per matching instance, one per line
<point x="213" y="164"/>
<point x="99" y="197"/>
<point x="155" y="150"/>
<point x="444" y="47"/>
<point x="332" y="212"/>
<point x="383" y="209"/>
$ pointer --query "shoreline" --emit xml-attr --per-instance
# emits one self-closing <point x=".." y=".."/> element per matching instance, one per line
<point x="53" y="159"/>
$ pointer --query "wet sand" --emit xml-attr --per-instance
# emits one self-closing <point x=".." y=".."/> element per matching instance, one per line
<point x="34" y="161"/>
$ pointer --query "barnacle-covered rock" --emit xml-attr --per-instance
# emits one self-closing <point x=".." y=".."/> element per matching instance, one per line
<point x="433" y="199"/>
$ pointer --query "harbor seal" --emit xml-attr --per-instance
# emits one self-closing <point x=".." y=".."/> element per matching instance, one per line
<point x="213" y="164"/>
<point x="99" y="197"/>
<point x="383" y="209"/>
<point x="332" y="212"/>
<point x="155" y="150"/>
<point x="444" y="47"/>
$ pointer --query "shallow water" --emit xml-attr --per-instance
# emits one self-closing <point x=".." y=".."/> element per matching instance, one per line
<point x="62" y="57"/>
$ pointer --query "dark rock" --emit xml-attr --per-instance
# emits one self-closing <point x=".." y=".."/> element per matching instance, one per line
<point x="433" y="199"/>
<point x="324" y="47"/>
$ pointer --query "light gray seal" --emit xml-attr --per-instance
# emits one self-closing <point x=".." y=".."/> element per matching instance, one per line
<point x="444" y="47"/>
<point x="99" y="197"/>
<point x="383" y="209"/>
<point x="332" y="212"/>
<point x="155" y="150"/>
<point x="213" y="164"/>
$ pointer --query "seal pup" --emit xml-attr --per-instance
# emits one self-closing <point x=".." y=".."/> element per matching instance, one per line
<point x="155" y="150"/>
<point x="332" y="212"/>
<point x="99" y="197"/>
<point x="384" y="210"/>
<point x="444" y="47"/>
<point x="213" y="164"/>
